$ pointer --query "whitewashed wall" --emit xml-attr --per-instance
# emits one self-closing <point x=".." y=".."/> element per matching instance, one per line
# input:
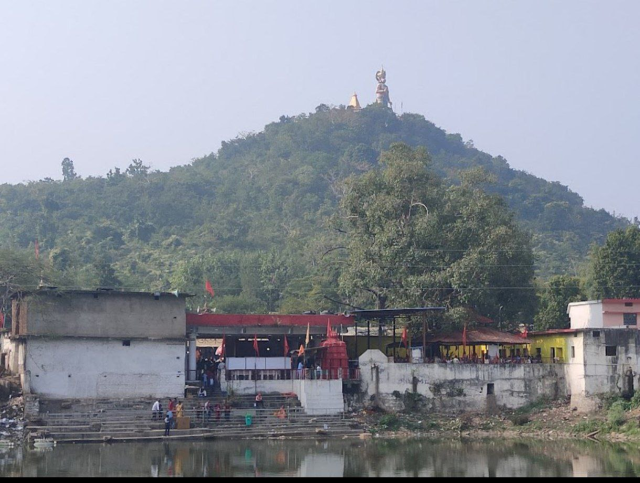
<point x="458" y="387"/>
<point x="90" y="368"/>
<point x="317" y="396"/>
<point x="586" y="315"/>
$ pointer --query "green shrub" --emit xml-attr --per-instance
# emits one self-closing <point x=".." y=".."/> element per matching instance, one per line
<point x="587" y="426"/>
<point x="635" y="400"/>
<point x="615" y="416"/>
<point x="389" y="422"/>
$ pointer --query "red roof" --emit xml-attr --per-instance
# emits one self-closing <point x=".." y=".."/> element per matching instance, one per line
<point x="480" y="335"/>
<point x="267" y="320"/>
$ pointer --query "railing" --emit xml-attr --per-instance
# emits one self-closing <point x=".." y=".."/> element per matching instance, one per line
<point x="291" y="374"/>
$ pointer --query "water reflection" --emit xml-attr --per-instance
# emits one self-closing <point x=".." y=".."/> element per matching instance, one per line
<point x="382" y="458"/>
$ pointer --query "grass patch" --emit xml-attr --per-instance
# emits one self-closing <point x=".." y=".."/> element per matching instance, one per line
<point x="537" y="405"/>
<point x="587" y="426"/>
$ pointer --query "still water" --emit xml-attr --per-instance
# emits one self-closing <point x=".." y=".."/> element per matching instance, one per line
<point x="340" y="458"/>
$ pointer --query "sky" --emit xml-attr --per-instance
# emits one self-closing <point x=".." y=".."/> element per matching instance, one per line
<point x="552" y="86"/>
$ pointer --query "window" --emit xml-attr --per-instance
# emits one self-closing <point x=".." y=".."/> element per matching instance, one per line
<point x="630" y="319"/>
<point x="573" y="352"/>
<point x="126" y="343"/>
<point x="596" y="333"/>
<point x="628" y="304"/>
<point x="611" y="350"/>
<point x="490" y="389"/>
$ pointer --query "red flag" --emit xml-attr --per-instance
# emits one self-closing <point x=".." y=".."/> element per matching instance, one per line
<point x="286" y="346"/>
<point x="209" y="288"/>
<point x="255" y="345"/>
<point x="329" y="328"/>
<point x="1" y="319"/>
<point x="525" y="332"/>
<point x="220" y="350"/>
<point x="464" y="336"/>
<point x="37" y="250"/>
<point x="404" y="336"/>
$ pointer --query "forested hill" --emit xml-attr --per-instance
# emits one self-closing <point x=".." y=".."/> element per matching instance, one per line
<point x="252" y="217"/>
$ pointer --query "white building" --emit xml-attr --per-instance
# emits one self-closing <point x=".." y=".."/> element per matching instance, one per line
<point x="94" y="344"/>
<point x="605" y="313"/>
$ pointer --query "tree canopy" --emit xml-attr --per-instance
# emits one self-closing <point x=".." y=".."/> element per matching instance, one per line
<point x="615" y="266"/>
<point x="414" y="241"/>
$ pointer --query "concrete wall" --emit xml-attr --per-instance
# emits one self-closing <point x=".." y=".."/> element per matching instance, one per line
<point x="14" y="354"/>
<point x="321" y="396"/>
<point x="586" y="315"/>
<point x="85" y="368"/>
<point x="316" y="396"/>
<point x="603" y="374"/>
<point x="109" y="314"/>
<point x="244" y="387"/>
<point x="460" y="387"/>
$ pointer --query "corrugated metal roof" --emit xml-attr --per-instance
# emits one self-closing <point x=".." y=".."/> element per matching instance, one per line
<point x="268" y="320"/>
<point x="554" y="331"/>
<point x="480" y="335"/>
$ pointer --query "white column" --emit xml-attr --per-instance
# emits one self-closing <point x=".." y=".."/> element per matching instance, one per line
<point x="191" y="375"/>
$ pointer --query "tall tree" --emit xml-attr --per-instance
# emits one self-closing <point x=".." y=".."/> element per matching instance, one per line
<point x="615" y="266"/>
<point x="68" y="170"/>
<point x="413" y="242"/>
<point x="552" y="308"/>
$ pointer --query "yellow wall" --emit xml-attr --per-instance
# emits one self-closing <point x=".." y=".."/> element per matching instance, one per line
<point x="546" y="343"/>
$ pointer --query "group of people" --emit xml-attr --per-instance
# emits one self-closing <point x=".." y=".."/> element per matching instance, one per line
<point x="474" y="359"/>
<point x="305" y="367"/>
<point x="209" y="371"/>
<point x="207" y="411"/>
<point x="175" y="409"/>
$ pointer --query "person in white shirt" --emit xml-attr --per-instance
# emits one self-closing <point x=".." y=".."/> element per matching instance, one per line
<point x="155" y="410"/>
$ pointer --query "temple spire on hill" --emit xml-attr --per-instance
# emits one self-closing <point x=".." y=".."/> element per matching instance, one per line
<point x="354" y="103"/>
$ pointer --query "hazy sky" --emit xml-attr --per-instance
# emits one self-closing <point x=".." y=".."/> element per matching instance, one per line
<point x="553" y="86"/>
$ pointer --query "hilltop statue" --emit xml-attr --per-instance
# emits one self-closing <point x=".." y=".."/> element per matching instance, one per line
<point x="382" y="91"/>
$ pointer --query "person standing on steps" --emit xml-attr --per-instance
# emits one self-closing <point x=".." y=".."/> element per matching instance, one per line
<point x="167" y="424"/>
<point x="155" y="410"/>
<point x="179" y="410"/>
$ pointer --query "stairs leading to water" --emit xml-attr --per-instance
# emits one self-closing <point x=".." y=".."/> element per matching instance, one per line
<point x="111" y="420"/>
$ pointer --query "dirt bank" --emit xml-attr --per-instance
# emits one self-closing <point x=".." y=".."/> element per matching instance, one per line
<point x="547" y="420"/>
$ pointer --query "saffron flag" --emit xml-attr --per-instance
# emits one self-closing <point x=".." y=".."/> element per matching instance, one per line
<point x="209" y="288"/>
<point x="255" y="345"/>
<point x="404" y="336"/>
<point x="286" y="346"/>
<point x="464" y="336"/>
<point x="301" y="350"/>
<point x="37" y="250"/>
<point x="220" y="350"/>
<point x="307" y="338"/>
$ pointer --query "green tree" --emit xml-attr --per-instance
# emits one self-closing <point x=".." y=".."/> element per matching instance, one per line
<point x="105" y="273"/>
<point x="136" y="168"/>
<point x="552" y="307"/>
<point x="412" y="241"/>
<point x="68" y="171"/>
<point x="615" y="266"/>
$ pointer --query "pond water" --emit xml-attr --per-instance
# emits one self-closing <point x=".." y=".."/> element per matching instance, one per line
<point x="333" y="458"/>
